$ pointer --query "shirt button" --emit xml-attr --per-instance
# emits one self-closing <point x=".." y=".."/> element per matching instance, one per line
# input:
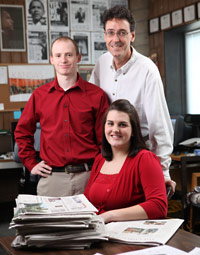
<point x="113" y="94"/>
<point x="116" y="80"/>
<point x="65" y="120"/>
<point x="65" y="106"/>
<point x="108" y="190"/>
<point x="67" y="150"/>
<point x="65" y="135"/>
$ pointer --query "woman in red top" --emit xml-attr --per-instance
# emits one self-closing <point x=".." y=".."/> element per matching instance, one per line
<point x="126" y="181"/>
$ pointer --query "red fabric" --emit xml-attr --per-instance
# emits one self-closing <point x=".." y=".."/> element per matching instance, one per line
<point x="140" y="181"/>
<point x="70" y="121"/>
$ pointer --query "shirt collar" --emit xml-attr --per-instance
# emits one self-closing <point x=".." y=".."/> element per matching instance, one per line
<point x="128" y="64"/>
<point x="80" y="84"/>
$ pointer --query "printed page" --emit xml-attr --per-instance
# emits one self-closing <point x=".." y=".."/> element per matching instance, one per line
<point x="147" y="232"/>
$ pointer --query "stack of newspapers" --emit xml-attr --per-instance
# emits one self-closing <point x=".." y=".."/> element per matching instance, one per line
<point x="56" y="222"/>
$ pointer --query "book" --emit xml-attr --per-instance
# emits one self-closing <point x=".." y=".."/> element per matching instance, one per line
<point x="143" y="232"/>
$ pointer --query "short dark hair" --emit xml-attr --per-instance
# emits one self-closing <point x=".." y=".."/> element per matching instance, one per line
<point x="65" y="38"/>
<point x="137" y="141"/>
<point x="119" y="12"/>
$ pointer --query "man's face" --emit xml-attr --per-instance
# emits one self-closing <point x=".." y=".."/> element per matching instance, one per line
<point x="119" y="46"/>
<point x="36" y="11"/>
<point x="64" y="58"/>
<point x="7" y="21"/>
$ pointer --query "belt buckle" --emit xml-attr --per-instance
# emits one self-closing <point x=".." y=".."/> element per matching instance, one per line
<point x="66" y="169"/>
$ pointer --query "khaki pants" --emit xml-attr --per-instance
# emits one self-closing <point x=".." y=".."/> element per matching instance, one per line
<point x="62" y="184"/>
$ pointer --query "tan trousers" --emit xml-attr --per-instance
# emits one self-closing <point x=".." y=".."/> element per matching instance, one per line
<point x="62" y="184"/>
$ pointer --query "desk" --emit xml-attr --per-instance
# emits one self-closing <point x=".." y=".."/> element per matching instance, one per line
<point x="10" y="174"/>
<point x="182" y="240"/>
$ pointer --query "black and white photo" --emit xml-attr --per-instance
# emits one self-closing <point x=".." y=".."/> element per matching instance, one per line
<point x="58" y="14"/>
<point x="97" y="9"/>
<point x="83" y="41"/>
<point x="38" y="47"/>
<point x="36" y="13"/>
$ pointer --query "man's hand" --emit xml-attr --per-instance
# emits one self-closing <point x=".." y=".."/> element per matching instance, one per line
<point x="172" y="185"/>
<point x="42" y="169"/>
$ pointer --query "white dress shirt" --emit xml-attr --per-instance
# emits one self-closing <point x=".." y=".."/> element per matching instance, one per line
<point x="139" y="82"/>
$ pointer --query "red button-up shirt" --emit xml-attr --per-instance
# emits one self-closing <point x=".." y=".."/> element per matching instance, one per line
<point x="71" y="124"/>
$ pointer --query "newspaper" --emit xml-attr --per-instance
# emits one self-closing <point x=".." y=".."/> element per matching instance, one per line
<point x="83" y="41"/>
<point x="144" y="232"/>
<point x="53" y="35"/>
<point x="58" y="14"/>
<point x="80" y="15"/>
<point x="97" y="9"/>
<point x="160" y="250"/>
<point x="56" y="222"/>
<point x="38" y="49"/>
<point x="98" y="46"/>
<point x="29" y="204"/>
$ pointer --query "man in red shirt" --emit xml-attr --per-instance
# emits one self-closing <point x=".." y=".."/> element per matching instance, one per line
<point x="70" y="112"/>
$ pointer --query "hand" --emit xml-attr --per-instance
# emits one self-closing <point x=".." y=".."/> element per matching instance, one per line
<point x="172" y="185"/>
<point x="42" y="169"/>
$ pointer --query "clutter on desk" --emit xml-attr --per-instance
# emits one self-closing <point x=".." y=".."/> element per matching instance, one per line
<point x="56" y="222"/>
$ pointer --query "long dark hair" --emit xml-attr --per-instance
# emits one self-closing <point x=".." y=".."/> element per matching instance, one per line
<point x="137" y="142"/>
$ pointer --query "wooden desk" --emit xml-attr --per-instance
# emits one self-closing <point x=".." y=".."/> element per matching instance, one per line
<point x="182" y="240"/>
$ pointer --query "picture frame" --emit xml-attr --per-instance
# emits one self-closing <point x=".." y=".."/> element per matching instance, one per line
<point x="177" y="17"/>
<point x="153" y="25"/>
<point x="12" y="28"/>
<point x="189" y="13"/>
<point x="165" y="21"/>
<point x="198" y="10"/>
<point x="85" y="71"/>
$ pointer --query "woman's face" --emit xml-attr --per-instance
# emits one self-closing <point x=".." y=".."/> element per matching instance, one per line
<point x="118" y="130"/>
<point x="7" y="21"/>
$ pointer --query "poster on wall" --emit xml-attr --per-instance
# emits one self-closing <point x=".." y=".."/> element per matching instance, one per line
<point x="83" y="41"/>
<point x="97" y="9"/>
<point x="119" y="2"/>
<point x="53" y="35"/>
<point x="24" y="79"/>
<point x="58" y="14"/>
<point x="36" y="14"/>
<point x="98" y="46"/>
<point x="38" y="47"/>
<point x="12" y="28"/>
<point x="80" y="15"/>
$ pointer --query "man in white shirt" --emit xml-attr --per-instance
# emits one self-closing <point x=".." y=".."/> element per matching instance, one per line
<point x="124" y="73"/>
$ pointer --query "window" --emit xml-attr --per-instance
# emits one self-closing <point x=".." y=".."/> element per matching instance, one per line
<point x="192" y="54"/>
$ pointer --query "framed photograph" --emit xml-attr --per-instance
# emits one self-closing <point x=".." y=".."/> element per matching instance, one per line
<point x="154" y="25"/>
<point x="177" y="17"/>
<point x="165" y="21"/>
<point x="189" y="13"/>
<point x="198" y="10"/>
<point x="12" y="28"/>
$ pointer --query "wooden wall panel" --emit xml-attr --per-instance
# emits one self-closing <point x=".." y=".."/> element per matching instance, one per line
<point x="158" y="8"/>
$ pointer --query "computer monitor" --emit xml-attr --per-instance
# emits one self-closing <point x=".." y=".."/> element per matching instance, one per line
<point x="182" y="131"/>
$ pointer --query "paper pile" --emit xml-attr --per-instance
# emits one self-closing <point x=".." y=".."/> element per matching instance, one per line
<point x="56" y="222"/>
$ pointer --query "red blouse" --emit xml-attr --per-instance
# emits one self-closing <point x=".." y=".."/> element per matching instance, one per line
<point x="140" y="181"/>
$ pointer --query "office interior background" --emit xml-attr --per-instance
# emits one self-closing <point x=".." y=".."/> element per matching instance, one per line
<point x="167" y="31"/>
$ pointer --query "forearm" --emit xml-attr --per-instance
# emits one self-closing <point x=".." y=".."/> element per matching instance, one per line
<point x="135" y="212"/>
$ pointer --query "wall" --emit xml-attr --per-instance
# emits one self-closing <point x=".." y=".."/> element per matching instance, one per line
<point x="156" y="40"/>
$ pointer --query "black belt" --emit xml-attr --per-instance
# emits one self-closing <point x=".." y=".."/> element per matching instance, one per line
<point x="73" y="168"/>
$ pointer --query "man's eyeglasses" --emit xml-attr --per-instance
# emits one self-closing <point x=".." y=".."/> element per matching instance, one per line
<point x="120" y="34"/>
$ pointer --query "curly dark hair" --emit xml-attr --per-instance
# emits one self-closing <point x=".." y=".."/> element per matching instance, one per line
<point x="137" y="141"/>
<point x="119" y="12"/>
